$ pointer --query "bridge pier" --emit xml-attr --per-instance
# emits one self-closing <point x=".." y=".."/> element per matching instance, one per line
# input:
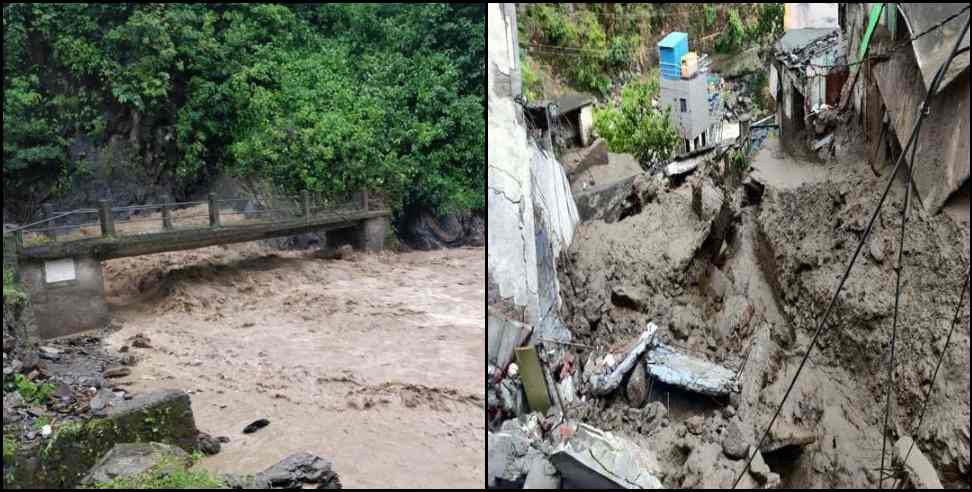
<point x="370" y="234"/>
<point x="68" y="295"/>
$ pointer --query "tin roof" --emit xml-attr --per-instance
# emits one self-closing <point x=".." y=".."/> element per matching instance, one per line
<point x="572" y="102"/>
<point x="673" y="39"/>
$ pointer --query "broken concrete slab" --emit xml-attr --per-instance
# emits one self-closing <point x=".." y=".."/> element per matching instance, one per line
<point x="503" y="336"/>
<point x="594" y="459"/>
<point x="606" y="377"/>
<point x="919" y="470"/>
<point x="693" y="374"/>
<point x="604" y="202"/>
<point x="511" y="453"/>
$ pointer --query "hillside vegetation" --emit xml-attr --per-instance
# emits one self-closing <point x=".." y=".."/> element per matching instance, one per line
<point x="327" y="97"/>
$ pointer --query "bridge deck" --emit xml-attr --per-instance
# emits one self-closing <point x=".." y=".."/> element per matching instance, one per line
<point x="178" y="240"/>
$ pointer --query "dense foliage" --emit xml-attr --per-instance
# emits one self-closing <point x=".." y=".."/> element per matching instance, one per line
<point x="327" y="97"/>
<point x="635" y="127"/>
<point x="764" y="23"/>
<point x="589" y="54"/>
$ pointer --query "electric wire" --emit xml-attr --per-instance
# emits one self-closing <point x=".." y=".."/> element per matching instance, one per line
<point x="923" y="112"/>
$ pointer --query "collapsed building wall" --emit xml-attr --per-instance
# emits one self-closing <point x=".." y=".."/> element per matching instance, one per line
<point x="531" y="212"/>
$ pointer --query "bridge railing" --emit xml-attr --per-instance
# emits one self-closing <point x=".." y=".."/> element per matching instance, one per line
<point x="215" y="213"/>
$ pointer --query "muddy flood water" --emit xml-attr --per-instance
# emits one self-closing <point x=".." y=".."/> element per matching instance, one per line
<point x="374" y="362"/>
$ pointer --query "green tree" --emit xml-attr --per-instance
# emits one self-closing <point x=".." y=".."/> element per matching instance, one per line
<point x="330" y="97"/>
<point x="635" y="127"/>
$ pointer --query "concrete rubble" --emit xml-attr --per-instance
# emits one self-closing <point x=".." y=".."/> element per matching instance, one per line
<point x="599" y="460"/>
<point x="665" y="364"/>
<point x="693" y="374"/>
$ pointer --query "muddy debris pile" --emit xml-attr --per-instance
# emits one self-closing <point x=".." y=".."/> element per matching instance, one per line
<point x="691" y="301"/>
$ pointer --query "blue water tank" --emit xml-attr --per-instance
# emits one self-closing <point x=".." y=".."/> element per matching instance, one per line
<point x="670" y="53"/>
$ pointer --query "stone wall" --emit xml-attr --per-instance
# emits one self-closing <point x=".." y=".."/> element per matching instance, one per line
<point x="67" y="307"/>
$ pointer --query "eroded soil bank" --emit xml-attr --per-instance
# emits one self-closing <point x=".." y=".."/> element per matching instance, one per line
<point x="374" y="362"/>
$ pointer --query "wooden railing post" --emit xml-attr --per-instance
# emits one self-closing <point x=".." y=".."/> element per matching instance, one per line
<point x="305" y="196"/>
<point x="213" y="212"/>
<point x="166" y="217"/>
<point x="106" y="219"/>
<point x="364" y="200"/>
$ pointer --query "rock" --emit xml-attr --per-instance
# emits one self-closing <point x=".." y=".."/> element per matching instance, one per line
<point x="785" y="435"/>
<point x="223" y="439"/>
<point x="719" y="286"/>
<point x="695" y="425"/>
<point x="730" y="411"/>
<point x="46" y="431"/>
<point x="877" y="250"/>
<point x="141" y="341"/>
<point x="644" y="189"/>
<point x="345" y="252"/>
<point x="245" y="482"/>
<point x="117" y="372"/>
<point x="919" y="470"/>
<point x="759" y="469"/>
<point x="299" y="469"/>
<point x="637" y="389"/>
<point x="100" y="402"/>
<point x="542" y="476"/>
<point x="130" y="460"/>
<point x="686" y="320"/>
<point x="208" y="445"/>
<point x="735" y="444"/>
<point x="49" y="353"/>
<point x="256" y="426"/>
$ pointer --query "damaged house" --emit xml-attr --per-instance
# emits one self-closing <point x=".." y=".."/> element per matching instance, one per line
<point x="802" y="82"/>
<point x="894" y="88"/>
<point x="889" y="75"/>
<point x="575" y="120"/>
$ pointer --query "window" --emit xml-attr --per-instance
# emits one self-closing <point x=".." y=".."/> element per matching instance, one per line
<point x="684" y="105"/>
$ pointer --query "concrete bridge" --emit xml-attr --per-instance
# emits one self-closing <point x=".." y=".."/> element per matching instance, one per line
<point x="65" y="277"/>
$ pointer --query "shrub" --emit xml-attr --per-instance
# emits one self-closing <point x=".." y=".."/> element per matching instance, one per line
<point x="635" y="127"/>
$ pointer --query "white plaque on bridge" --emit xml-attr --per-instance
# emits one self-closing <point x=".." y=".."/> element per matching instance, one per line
<point x="60" y="271"/>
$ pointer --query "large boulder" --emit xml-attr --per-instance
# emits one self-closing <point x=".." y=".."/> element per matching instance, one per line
<point x="300" y="469"/>
<point x="132" y="460"/>
<point x="163" y="417"/>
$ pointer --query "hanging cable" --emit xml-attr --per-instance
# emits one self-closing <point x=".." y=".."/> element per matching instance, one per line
<point x="912" y="140"/>
<point x="898" y="268"/>
<point x="941" y="359"/>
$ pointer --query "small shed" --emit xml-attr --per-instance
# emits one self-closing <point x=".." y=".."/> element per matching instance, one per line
<point x="575" y="118"/>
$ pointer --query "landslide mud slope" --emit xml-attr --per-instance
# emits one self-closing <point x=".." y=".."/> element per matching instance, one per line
<point x="754" y="311"/>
